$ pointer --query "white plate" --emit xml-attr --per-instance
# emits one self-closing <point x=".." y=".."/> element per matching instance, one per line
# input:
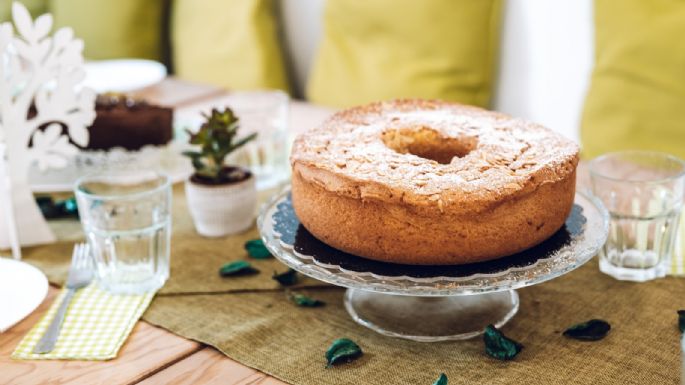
<point x="22" y="289"/>
<point x="123" y="75"/>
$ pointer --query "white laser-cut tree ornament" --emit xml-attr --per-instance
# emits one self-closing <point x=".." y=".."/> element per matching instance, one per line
<point x="39" y="78"/>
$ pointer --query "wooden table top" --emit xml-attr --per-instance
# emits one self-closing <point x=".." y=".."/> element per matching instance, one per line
<point x="151" y="355"/>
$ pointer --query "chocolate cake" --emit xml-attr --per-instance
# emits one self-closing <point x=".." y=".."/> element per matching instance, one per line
<point x="123" y="121"/>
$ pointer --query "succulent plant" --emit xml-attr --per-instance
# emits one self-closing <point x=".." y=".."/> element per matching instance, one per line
<point x="217" y="139"/>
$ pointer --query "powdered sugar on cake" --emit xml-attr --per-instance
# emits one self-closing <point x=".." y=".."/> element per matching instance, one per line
<point x="465" y="154"/>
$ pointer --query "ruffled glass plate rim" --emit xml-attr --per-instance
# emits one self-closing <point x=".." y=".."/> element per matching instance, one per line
<point x="569" y="257"/>
<point x="166" y="158"/>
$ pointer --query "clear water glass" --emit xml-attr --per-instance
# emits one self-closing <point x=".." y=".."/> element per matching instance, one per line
<point x="266" y="113"/>
<point x="643" y="192"/>
<point x="127" y="220"/>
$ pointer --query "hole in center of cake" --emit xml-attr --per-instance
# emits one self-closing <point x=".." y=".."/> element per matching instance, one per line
<point x="428" y="143"/>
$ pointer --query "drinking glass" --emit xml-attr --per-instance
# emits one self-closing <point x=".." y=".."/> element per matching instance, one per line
<point x="266" y="113"/>
<point x="643" y="192"/>
<point x="127" y="221"/>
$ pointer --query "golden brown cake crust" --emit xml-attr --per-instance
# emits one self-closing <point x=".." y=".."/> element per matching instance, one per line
<point x="429" y="182"/>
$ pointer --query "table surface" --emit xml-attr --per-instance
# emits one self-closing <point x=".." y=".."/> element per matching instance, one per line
<point x="151" y="355"/>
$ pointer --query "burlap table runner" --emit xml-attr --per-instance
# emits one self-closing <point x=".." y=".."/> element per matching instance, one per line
<point x="265" y="331"/>
<point x="252" y="321"/>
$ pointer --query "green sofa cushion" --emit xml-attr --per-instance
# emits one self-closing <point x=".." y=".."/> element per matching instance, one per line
<point x="228" y="43"/>
<point x="113" y="29"/>
<point x="383" y="49"/>
<point x="637" y="93"/>
<point x="35" y="7"/>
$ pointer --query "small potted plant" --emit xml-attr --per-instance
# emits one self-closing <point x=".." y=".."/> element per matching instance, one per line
<point x="221" y="198"/>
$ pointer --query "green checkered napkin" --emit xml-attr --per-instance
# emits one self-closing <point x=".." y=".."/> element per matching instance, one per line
<point x="95" y="327"/>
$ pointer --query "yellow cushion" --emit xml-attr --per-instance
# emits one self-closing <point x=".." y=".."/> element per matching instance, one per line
<point x="113" y="29"/>
<point x="383" y="49"/>
<point x="637" y="94"/>
<point x="233" y="44"/>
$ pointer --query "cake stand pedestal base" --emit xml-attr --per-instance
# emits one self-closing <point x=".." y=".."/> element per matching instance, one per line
<point x="430" y="319"/>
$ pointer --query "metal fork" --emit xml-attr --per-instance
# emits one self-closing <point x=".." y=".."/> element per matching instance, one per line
<point x="80" y="275"/>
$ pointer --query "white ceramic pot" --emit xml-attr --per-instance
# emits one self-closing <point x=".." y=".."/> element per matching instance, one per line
<point x="222" y="209"/>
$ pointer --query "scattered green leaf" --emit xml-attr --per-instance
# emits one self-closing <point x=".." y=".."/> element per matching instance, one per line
<point x="592" y="330"/>
<point x="442" y="380"/>
<point x="681" y="320"/>
<point x="288" y="278"/>
<point x="237" y="268"/>
<point x="499" y="346"/>
<point x="342" y="350"/>
<point x="256" y="249"/>
<point x="304" y="301"/>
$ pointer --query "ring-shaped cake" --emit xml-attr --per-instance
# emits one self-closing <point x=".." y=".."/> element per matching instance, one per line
<point x="431" y="182"/>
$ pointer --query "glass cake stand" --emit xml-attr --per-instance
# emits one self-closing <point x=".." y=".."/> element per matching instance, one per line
<point x="433" y="303"/>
